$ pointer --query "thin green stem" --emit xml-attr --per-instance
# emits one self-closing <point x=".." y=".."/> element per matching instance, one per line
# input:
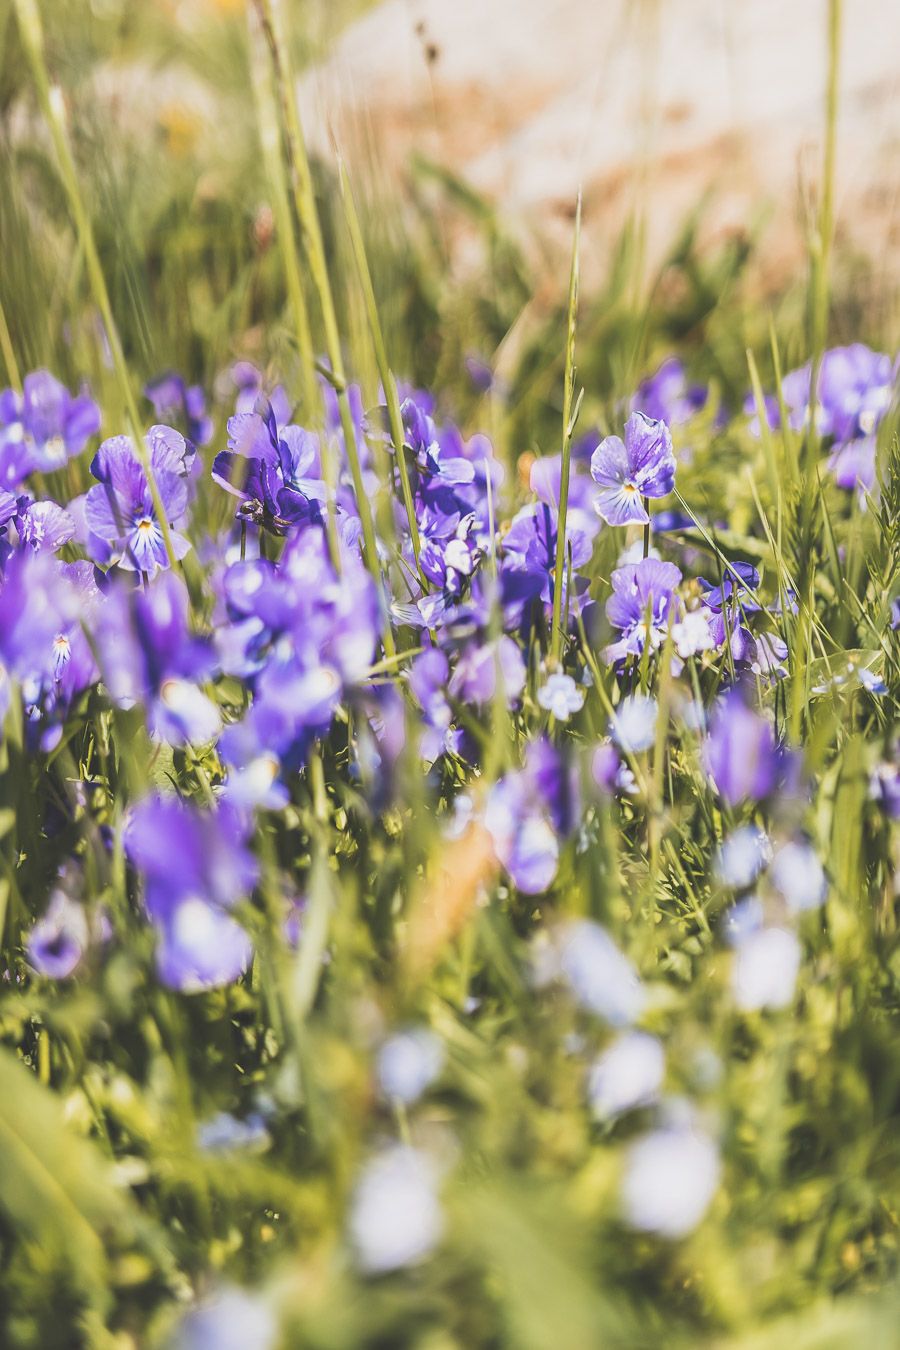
<point x="308" y="215"/>
<point x="395" y="420"/>
<point x="568" y="427"/>
<point x="270" y="140"/>
<point x="9" y="355"/>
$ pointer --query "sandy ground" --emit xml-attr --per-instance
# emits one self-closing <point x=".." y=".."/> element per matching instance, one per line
<point x="630" y="100"/>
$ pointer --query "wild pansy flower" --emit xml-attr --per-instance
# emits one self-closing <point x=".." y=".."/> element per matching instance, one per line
<point x="666" y="395"/>
<point x="855" y="390"/>
<point x="312" y="635"/>
<point x="43" y="525"/>
<point x="274" y="471"/>
<point x="633" y="723"/>
<point x="798" y="876"/>
<point x="884" y="788"/>
<point x="740" y="753"/>
<point x="545" y="480"/>
<point x="741" y="857"/>
<point x="693" y="634"/>
<point x="643" y="604"/>
<point x="560" y="696"/>
<point x="427" y="677"/>
<point x="54" y="424"/>
<point x="529" y="549"/>
<point x="196" y="868"/>
<point x="582" y="955"/>
<point x="629" y="1074"/>
<point x="408" y="1062"/>
<point x="232" y="1319"/>
<point x="477" y="666"/>
<point x="853" y="465"/>
<point x="730" y="602"/>
<point x="643" y="465"/>
<point x="37" y="604"/>
<point x="529" y="813"/>
<point x="524" y="839"/>
<point x="765" y="968"/>
<point x="175" y="401"/>
<point x="449" y="551"/>
<point x="671" y="1176"/>
<point x="119" y="513"/>
<point x="149" y="656"/>
<point x="395" y="1213"/>
<point x="58" y="941"/>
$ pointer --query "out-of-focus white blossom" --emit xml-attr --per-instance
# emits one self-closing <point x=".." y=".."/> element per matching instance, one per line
<point x="395" y="1216"/>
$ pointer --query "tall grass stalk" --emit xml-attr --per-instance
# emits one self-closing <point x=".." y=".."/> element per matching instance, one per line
<point x="308" y="215"/>
<point x="52" y="106"/>
<point x="388" y="383"/>
<point x="568" y="427"/>
<point x="270" y="140"/>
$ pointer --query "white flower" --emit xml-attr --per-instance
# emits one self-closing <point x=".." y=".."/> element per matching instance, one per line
<point x="634" y="553"/>
<point x="408" y="1062"/>
<point x="799" y="876"/>
<point x="629" y="1074"/>
<point x="765" y="969"/>
<point x="599" y="976"/>
<point x="670" y="1178"/>
<point x="742" y="856"/>
<point x="395" y="1217"/>
<point x="633" y="724"/>
<point x="231" y="1320"/>
<point x="691" y="634"/>
<point x="561" y="697"/>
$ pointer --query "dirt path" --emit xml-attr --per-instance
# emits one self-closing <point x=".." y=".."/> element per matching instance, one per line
<point x="530" y="99"/>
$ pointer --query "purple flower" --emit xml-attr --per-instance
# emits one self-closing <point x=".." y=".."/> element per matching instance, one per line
<point x="884" y="787"/>
<point x="666" y="395"/>
<point x="740" y="752"/>
<point x="37" y="604"/>
<point x="306" y="634"/>
<point x="174" y="401"/>
<point x="643" y="605"/>
<point x="853" y="465"/>
<point x="119" y="513"/>
<point x="58" y="941"/>
<point x="545" y="481"/>
<point x="196" y="868"/>
<point x="148" y="656"/>
<point x="474" y="679"/>
<point x="274" y="470"/>
<point x="529" y="812"/>
<point x="44" y="525"/>
<point x="730" y="603"/>
<point x="523" y="836"/>
<point x="529" y="553"/>
<point x="671" y="1176"/>
<point x="56" y="426"/>
<point x="856" y="386"/>
<point x="643" y="465"/>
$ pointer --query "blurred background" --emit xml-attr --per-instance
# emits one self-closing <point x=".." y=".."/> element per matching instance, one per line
<point x="692" y="127"/>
